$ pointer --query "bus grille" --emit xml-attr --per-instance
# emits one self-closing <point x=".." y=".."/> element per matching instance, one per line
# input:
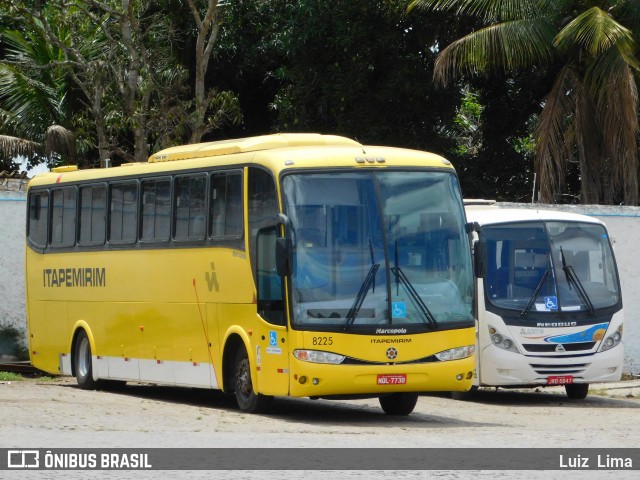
<point x="575" y="369"/>
<point x="551" y="348"/>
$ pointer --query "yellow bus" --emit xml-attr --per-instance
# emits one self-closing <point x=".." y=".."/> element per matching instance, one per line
<point x="301" y="265"/>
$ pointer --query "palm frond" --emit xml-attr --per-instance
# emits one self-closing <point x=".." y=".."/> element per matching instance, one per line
<point x="506" y="46"/>
<point x="489" y="10"/>
<point x="554" y="125"/>
<point x="59" y="140"/>
<point x="587" y="142"/>
<point x="595" y="31"/>
<point x="13" y="147"/>
<point x="627" y="12"/>
<point x="616" y="113"/>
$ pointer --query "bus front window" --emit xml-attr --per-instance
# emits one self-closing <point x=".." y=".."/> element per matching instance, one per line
<point x="549" y="267"/>
<point x="378" y="248"/>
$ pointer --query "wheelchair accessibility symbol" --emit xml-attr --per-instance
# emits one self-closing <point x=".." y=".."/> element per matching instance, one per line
<point x="399" y="310"/>
<point x="551" y="303"/>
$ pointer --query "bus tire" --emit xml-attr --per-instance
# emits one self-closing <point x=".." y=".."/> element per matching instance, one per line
<point x="248" y="400"/>
<point x="398" y="403"/>
<point x="83" y="362"/>
<point x="577" y="391"/>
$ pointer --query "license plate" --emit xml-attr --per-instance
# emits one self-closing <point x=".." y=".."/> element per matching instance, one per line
<point x="395" y="379"/>
<point x="560" y="380"/>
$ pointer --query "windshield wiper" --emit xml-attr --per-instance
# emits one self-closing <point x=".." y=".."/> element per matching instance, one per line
<point x="364" y="289"/>
<point x="535" y="293"/>
<point x="370" y="280"/>
<point x="415" y="296"/>
<point x="573" y="278"/>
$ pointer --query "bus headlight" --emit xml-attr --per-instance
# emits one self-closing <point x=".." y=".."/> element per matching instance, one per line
<point x="456" y="353"/>
<point x="317" y="356"/>
<point x="500" y="341"/>
<point x="612" y="340"/>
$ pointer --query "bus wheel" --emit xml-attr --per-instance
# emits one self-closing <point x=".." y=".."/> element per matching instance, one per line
<point x="577" y="391"/>
<point x="248" y="400"/>
<point x="398" y="403"/>
<point x="82" y="361"/>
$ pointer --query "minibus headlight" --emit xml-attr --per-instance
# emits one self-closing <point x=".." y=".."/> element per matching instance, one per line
<point x="612" y="340"/>
<point x="317" y="356"/>
<point x="501" y="341"/>
<point x="456" y="353"/>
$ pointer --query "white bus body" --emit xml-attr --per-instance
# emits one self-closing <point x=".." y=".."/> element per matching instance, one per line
<point x="549" y="302"/>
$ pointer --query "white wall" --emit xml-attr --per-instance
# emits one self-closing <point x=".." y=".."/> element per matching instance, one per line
<point x="12" y="288"/>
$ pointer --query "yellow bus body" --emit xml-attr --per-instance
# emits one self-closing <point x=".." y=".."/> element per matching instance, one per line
<point x="168" y="315"/>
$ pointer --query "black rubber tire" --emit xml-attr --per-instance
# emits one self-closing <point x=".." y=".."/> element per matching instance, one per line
<point x="248" y="400"/>
<point x="83" y="362"/>
<point x="577" y="391"/>
<point x="398" y="403"/>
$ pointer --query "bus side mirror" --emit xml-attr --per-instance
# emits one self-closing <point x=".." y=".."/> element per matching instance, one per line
<point x="480" y="258"/>
<point x="284" y="251"/>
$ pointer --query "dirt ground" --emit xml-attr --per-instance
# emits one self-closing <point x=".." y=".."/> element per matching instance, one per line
<point x="38" y="413"/>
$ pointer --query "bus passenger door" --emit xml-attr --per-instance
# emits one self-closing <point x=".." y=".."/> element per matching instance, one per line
<point x="272" y="342"/>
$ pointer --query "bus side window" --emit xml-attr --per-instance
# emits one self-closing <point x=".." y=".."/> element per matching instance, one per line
<point x="93" y="209"/>
<point x="263" y="207"/>
<point x="156" y="210"/>
<point x="189" y="207"/>
<point x="269" y="284"/>
<point x="226" y="213"/>
<point x="38" y="218"/>
<point x="123" y="210"/>
<point x="63" y="218"/>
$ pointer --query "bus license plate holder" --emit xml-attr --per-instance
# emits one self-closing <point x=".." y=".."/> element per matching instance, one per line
<point x="392" y="379"/>
<point x="560" y="380"/>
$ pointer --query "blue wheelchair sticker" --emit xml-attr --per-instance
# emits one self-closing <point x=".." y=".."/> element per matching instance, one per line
<point x="273" y="338"/>
<point x="399" y="310"/>
<point x="551" y="303"/>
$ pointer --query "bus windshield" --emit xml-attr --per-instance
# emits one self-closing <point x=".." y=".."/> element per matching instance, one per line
<point x="550" y="266"/>
<point x="378" y="248"/>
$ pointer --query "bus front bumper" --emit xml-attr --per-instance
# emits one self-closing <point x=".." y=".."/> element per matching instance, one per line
<point x="317" y="380"/>
<point x="501" y="368"/>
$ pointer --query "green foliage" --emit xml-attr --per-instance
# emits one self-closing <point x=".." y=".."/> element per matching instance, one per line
<point x="468" y="125"/>
<point x="13" y="341"/>
<point x="10" y="377"/>
<point x="362" y="68"/>
<point x="590" y="114"/>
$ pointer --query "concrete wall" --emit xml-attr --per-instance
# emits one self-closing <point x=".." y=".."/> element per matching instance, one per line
<point x="623" y="224"/>
<point x="12" y="285"/>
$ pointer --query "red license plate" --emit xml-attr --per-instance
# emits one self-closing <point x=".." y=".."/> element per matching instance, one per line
<point x="560" y="380"/>
<point x="395" y="379"/>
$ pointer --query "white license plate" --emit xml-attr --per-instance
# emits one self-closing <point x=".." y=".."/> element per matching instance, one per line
<point x="393" y="379"/>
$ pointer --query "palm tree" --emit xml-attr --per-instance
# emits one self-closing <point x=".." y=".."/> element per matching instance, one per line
<point x="32" y="101"/>
<point x="591" y="111"/>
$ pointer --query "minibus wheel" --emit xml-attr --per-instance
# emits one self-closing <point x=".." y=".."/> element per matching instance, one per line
<point x="83" y="362"/>
<point x="577" y="391"/>
<point x="398" y="403"/>
<point x="248" y="400"/>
